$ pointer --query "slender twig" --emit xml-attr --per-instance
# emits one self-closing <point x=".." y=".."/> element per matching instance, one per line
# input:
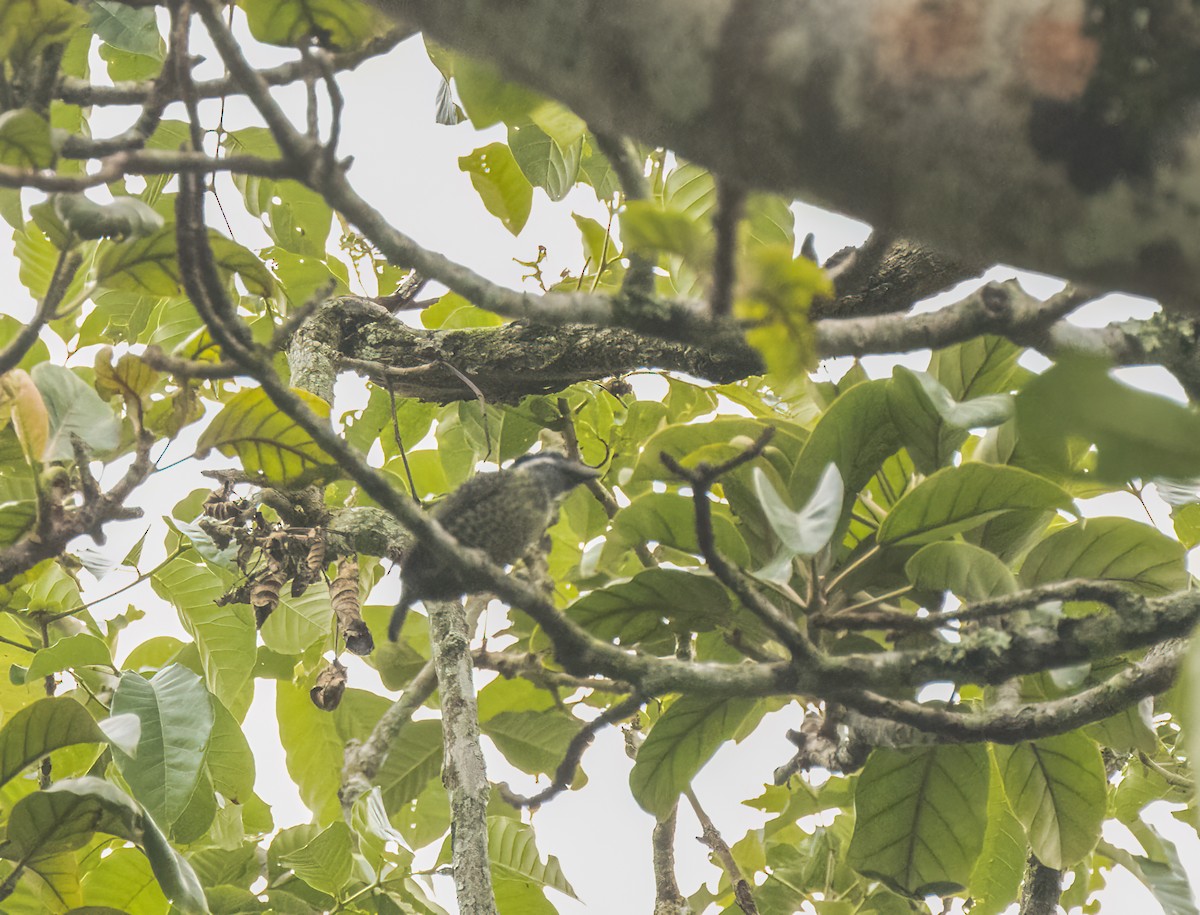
<point x="171" y="557"/>
<point x="711" y="837"/>
<point x="412" y="486"/>
<point x="565" y="773"/>
<point x="701" y="479"/>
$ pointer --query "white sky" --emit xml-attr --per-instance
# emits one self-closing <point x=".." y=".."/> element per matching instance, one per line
<point x="409" y="165"/>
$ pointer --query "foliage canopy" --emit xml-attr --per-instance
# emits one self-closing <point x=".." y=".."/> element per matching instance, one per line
<point x="760" y="541"/>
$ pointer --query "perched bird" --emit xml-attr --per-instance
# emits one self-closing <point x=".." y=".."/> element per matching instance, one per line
<point x="502" y="513"/>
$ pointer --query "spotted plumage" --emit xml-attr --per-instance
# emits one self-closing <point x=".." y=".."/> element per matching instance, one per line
<point x="503" y="513"/>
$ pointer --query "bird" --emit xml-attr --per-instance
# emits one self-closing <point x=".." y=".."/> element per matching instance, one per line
<point x="503" y="513"/>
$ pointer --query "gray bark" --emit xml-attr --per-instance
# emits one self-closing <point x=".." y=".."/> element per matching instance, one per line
<point x="1058" y="136"/>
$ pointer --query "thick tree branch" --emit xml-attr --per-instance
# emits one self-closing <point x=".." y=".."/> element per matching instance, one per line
<point x="851" y="104"/>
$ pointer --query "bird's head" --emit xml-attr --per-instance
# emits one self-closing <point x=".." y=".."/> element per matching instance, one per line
<point x="557" y="474"/>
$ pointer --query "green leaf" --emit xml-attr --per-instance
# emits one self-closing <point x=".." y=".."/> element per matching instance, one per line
<point x="224" y="636"/>
<point x="1136" y="434"/>
<point x="338" y="25"/>
<point x="596" y="170"/>
<point x="683" y="442"/>
<point x="805" y="532"/>
<point x="27" y="29"/>
<point x="266" y="440"/>
<point x="177" y="720"/>
<point x="1058" y="791"/>
<point x="124" y="217"/>
<point x="669" y="519"/>
<point x="296" y="217"/>
<point x="920" y="817"/>
<point x="959" y="498"/>
<point x="519" y="877"/>
<point x="649" y="229"/>
<point x="412" y="763"/>
<point x="74" y="407"/>
<point x="64" y="817"/>
<point x="504" y="189"/>
<point x="979" y="366"/>
<point x="856" y="434"/>
<point x="122" y="883"/>
<point x="149" y="264"/>
<point x="543" y="161"/>
<point x="79" y="650"/>
<point x="1115" y="549"/>
<point x="126" y="28"/>
<point x="229" y="760"/>
<point x="1186" y="521"/>
<point x="326" y="862"/>
<point x="964" y="569"/>
<point x="25" y="140"/>
<point x="39" y="352"/>
<point x="38" y="729"/>
<point x="773" y="301"/>
<point x="1000" y="868"/>
<point x="933" y="424"/>
<point x="453" y="312"/>
<point x="639" y="610"/>
<point x="487" y="97"/>
<point x="687" y="735"/>
<point x="534" y="742"/>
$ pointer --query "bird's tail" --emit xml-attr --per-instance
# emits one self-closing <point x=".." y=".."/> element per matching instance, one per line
<point x="398" y="616"/>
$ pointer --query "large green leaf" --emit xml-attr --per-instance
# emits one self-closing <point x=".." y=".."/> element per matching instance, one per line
<point x="177" y="721"/>
<point x="325" y="863"/>
<point x="976" y="367"/>
<point x="126" y="28"/>
<point x="123" y="884"/>
<point x="266" y="440"/>
<point x="650" y="229"/>
<point x="79" y="650"/>
<point x="38" y="729"/>
<point x="74" y="408"/>
<point x="25" y="140"/>
<point x="38" y="352"/>
<point x="534" y="742"/>
<point x="488" y="98"/>
<point x="685" y="738"/>
<point x="966" y="570"/>
<point x="544" y="162"/>
<point x="412" y="763"/>
<point x="920" y="817"/>
<point x="229" y="760"/>
<point x="856" y="434"/>
<point x="669" y="519"/>
<point x="805" y="532"/>
<point x="66" y="815"/>
<point x="645" y="606"/>
<point x="1116" y="549"/>
<point x="519" y="877"/>
<point x="959" y="498"/>
<point x="932" y="423"/>
<point x="149" y="264"/>
<point x="1001" y="865"/>
<point x="224" y="636"/>
<point x="712" y="441"/>
<point x="334" y="24"/>
<point x="1136" y="434"/>
<point x="504" y="189"/>
<point x="123" y="217"/>
<point x="1057" y="789"/>
<point x="296" y="217"/>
